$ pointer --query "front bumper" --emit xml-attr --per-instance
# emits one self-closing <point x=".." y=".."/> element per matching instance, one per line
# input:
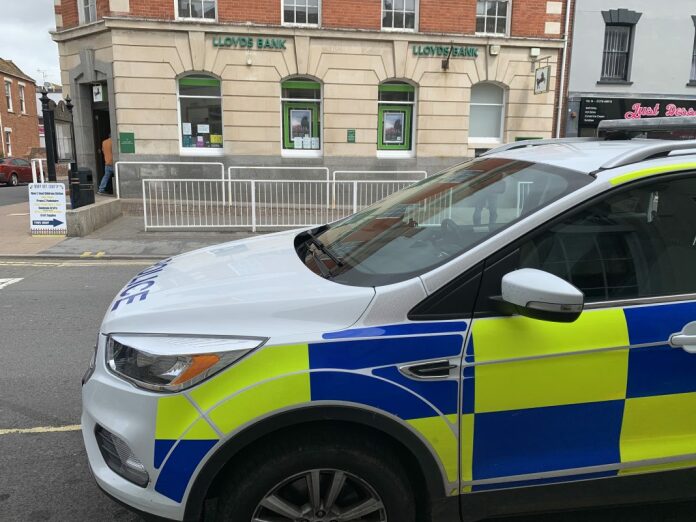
<point x="130" y="414"/>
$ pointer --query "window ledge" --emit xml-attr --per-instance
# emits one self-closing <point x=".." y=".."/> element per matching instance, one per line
<point x="398" y="30"/>
<point x="614" y="82"/>
<point x="485" y="142"/>
<point x="296" y="24"/>
<point x="396" y="154"/>
<point x="692" y="83"/>
<point x="308" y="153"/>
<point x="204" y="20"/>
<point x="193" y="151"/>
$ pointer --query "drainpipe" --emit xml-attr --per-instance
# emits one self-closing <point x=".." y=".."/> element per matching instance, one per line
<point x="564" y="64"/>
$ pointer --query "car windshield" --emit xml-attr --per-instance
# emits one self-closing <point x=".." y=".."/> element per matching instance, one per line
<point x="431" y="222"/>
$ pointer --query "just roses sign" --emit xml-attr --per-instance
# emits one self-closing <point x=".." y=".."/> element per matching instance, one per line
<point x="594" y="110"/>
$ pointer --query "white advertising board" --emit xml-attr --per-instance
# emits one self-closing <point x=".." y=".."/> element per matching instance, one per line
<point x="47" y="209"/>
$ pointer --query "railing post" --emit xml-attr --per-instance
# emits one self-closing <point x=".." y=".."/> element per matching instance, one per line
<point x="355" y="196"/>
<point x="116" y="181"/>
<point x="33" y="170"/>
<point x="253" y="205"/>
<point x="144" y="205"/>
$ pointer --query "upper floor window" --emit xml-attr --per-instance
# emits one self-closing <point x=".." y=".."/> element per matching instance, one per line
<point x="88" y="11"/>
<point x="8" y="95"/>
<point x="618" y="43"/>
<point x="692" y="78"/>
<point x="301" y="12"/>
<point x="200" y="110"/>
<point x="399" y="14"/>
<point x="617" y="52"/>
<point x="486" y="112"/>
<point x="22" y="99"/>
<point x="198" y="9"/>
<point x="492" y="16"/>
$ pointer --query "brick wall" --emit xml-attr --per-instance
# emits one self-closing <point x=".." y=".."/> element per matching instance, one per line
<point x="529" y="18"/>
<point x="68" y="10"/>
<point x="258" y="11"/>
<point x="158" y="9"/>
<point x="352" y="14"/>
<point x="25" y="127"/>
<point x="448" y="16"/>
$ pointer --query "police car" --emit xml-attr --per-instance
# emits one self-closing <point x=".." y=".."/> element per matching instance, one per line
<point x="514" y="334"/>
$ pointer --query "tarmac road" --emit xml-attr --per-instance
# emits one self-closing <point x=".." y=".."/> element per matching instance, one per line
<point x="12" y="195"/>
<point x="48" y="323"/>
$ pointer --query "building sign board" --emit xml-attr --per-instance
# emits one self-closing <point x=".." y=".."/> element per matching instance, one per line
<point x="444" y="51"/>
<point x="351" y="136"/>
<point x="249" y="42"/>
<point x="594" y="110"/>
<point x="126" y="141"/>
<point x="542" y="79"/>
<point x="47" y="209"/>
<point x="97" y="93"/>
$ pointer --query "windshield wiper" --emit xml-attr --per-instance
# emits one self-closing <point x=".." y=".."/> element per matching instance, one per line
<point x="321" y="246"/>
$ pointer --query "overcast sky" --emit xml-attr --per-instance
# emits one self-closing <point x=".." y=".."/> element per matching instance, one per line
<point x="24" y="38"/>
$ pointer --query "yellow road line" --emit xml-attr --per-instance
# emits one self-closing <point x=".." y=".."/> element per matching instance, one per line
<point x="42" y="429"/>
<point x="68" y="264"/>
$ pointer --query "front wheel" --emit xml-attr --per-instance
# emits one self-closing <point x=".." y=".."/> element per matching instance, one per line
<point x="14" y="180"/>
<point x="310" y="479"/>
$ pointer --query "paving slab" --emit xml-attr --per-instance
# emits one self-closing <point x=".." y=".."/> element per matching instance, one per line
<point x="126" y="237"/>
<point x="15" y="237"/>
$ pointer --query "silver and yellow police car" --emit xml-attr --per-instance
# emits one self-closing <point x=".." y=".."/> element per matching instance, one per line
<point x="512" y="335"/>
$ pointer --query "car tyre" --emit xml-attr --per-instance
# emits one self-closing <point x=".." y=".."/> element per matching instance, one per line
<point x="13" y="181"/>
<point x="335" y="475"/>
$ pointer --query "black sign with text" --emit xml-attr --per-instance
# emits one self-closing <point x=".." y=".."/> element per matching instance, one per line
<point x="594" y="110"/>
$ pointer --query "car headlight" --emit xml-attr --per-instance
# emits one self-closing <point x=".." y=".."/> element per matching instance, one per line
<point x="173" y="363"/>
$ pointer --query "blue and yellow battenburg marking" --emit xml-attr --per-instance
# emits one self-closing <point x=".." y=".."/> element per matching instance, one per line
<point x="357" y="366"/>
<point x="542" y="398"/>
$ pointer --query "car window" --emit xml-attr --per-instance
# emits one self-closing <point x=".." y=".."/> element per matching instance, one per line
<point x="429" y="223"/>
<point x="21" y="163"/>
<point x="639" y="242"/>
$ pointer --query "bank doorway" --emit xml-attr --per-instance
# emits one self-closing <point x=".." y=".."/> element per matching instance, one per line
<point x="102" y="128"/>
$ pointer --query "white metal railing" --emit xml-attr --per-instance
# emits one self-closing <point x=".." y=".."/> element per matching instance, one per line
<point x="256" y="203"/>
<point x="118" y="164"/>
<point x="324" y="171"/>
<point x="399" y="175"/>
<point x="40" y="162"/>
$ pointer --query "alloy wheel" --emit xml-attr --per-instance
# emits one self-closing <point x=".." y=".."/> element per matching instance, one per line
<point x="321" y="495"/>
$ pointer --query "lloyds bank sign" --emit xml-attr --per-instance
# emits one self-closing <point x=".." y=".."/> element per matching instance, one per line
<point x="444" y="51"/>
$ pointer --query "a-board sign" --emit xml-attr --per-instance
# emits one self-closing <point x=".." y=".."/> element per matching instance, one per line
<point x="47" y="209"/>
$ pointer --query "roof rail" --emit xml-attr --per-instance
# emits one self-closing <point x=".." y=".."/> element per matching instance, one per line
<point x="535" y="143"/>
<point x="646" y="125"/>
<point x="649" y="151"/>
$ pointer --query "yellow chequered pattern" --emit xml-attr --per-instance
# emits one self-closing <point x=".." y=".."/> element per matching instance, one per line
<point x="549" y="381"/>
<point x="439" y="434"/>
<point x="177" y="419"/>
<point x="653" y="171"/>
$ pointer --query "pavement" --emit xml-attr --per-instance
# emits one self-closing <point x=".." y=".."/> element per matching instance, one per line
<point x="123" y="238"/>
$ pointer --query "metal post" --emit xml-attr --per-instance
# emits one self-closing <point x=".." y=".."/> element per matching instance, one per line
<point x="355" y="197"/>
<point x="49" y="134"/>
<point x="69" y="106"/>
<point x="253" y="205"/>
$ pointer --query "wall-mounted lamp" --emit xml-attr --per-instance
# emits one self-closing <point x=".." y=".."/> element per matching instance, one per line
<point x="494" y="50"/>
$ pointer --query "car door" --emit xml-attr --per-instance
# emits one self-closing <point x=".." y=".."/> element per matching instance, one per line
<point x="607" y="394"/>
<point x="24" y="170"/>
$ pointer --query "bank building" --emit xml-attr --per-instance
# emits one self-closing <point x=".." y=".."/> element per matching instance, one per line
<point x="351" y="84"/>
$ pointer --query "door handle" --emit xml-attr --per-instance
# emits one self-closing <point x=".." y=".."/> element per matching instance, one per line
<point x="686" y="339"/>
<point x="430" y="370"/>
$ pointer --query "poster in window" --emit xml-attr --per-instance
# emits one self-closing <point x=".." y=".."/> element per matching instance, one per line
<point x="187" y="128"/>
<point x="300" y="123"/>
<point x="542" y="79"/>
<point x="393" y="130"/>
<point x="64" y="142"/>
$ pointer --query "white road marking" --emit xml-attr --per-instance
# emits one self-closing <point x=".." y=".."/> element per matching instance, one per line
<point x="22" y="214"/>
<point x="69" y="264"/>
<point x="8" y="282"/>
<point x="42" y="429"/>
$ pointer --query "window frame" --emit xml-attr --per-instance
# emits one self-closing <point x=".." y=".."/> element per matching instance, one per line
<point x="8" y="94"/>
<point x="392" y="29"/>
<point x="87" y="4"/>
<point x="408" y="150"/>
<point x="628" y="52"/>
<point x="499" y="260"/>
<point x="22" y="97"/>
<point x="7" y="136"/>
<point x="178" y="17"/>
<point x="508" y="20"/>
<point x="297" y="24"/>
<point x="196" y="151"/>
<point x="318" y="120"/>
<point x="503" y="113"/>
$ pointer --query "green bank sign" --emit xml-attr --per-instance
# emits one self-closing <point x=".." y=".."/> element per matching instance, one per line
<point x="248" y="42"/>
<point x="444" y="51"/>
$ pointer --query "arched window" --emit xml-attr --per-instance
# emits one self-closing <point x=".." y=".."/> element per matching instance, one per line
<point x="200" y="110"/>
<point x="301" y="98"/>
<point x="486" y="112"/>
<point x="395" y="124"/>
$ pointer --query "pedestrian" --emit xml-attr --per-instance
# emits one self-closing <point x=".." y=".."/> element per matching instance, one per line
<point x="108" y="153"/>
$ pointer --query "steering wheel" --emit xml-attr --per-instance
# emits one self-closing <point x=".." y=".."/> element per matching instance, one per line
<point x="449" y="228"/>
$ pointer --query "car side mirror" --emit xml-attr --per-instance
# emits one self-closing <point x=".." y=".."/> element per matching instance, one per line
<point x="541" y="295"/>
